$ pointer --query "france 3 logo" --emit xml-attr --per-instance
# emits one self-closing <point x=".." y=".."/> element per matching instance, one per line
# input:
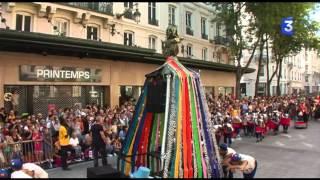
<point x="287" y="26"/>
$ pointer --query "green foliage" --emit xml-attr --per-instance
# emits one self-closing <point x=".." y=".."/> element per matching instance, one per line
<point x="265" y="18"/>
<point x="269" y="16"/>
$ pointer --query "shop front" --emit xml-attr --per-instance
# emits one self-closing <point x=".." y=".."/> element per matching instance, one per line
<point x="52" y="72"/>
<point x="38" y="88"/>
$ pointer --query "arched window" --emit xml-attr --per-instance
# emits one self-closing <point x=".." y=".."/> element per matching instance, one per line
<point x="93" y="32"/>
<point x="62" y="26"/>
<point x="24" y="21"/>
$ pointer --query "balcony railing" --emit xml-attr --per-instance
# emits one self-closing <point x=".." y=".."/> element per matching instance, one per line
<point x="219" y="40"/>
<point x="189" y="31"/>
<point x="128" y="14"/>
<point x="102" y="7"/>
<point x="204" y="36"/>
<point x="154" y="22"/>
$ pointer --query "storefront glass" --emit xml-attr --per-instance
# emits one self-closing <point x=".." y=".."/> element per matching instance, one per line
<point x="129" y="93"/>
<point x="209" y="91"/>
<point x="223" y="91"/>
<point x="37" y="99"/>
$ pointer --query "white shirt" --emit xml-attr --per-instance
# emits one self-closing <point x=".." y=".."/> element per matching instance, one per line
<point x="20" y="174"/>
<point x="230" y="151"/>
<point x="38" y="171"/>
<point x="74" y="141"/>
<point x="251" y="163"/>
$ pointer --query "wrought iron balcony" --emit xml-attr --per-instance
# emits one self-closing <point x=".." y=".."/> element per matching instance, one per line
<point x="128" y="14"/>
<point x="154" y="22"/>
<point x="102" y="7"/>
<point x="219" y="40"/>
<point x="189" y="31"/>
<point x="204" y="36"/>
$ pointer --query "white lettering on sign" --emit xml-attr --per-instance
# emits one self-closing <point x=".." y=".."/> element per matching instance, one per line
<point x="39" y="73"/>
<point x="62" y="74"/>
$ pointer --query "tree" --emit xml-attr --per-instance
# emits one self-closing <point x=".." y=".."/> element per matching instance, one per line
<point x="240" y="34"/>
<point x="304" y="29"/>
<point x="267" y="20"/>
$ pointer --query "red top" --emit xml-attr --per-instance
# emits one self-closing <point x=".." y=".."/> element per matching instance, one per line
<point x="285" y="121"/>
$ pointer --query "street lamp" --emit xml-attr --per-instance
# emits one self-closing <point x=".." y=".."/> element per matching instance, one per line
<point x="136" y="14"/>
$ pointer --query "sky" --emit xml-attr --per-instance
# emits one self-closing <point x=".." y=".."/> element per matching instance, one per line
<point x="316" y="16"/>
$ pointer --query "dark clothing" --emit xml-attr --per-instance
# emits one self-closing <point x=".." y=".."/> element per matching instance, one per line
<point x="227" y="139"/>
<point x="97" y="140"/>
<point x="98" y="145"/>
<point x="85" y="127"/>
<point x="226" y="173"/>
<point x="2" y="117"/>
<point x="156" y="96"/>
<point x="102" y="151"/>
<point x="64" y="155"/>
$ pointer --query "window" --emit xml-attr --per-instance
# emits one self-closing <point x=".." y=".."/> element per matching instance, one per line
<point x="128" y="39"/>
<point x="93" y="5"/>
<point x="152" y="13"/>
<point x="23" y="22"/>
<point x="76" y="91"/>
<point x="188" y="19"/>
<point x="128" y="5"/>
<point x="307" y="68"/>
<point x="129" y="93"/>
<point x="261" y="89"/>
<point x="92" y="33"/>
<point x="204" y="54"/>
<point x="307" y="78"/>
<point x="188" y="24"/>
<point x="203" y="28"/>
<point x="285" y="73"/>
<point x="218" y="28"/>
<point x="172" y="14"/>
<point x="189" y="50"/>
<point x="261" y="73"/>
<point x="152" y="42"/>
<point x="62" y="27"/>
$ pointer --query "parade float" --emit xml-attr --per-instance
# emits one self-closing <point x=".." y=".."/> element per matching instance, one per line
<point x="171" y="132"/>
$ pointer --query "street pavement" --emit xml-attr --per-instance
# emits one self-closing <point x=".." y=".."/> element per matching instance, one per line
<point x="292" y="155"/>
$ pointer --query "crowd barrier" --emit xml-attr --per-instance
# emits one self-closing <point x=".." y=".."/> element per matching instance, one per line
<point x="38" y="151"/>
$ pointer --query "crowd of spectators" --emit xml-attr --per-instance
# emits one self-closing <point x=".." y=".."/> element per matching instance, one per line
<point x="35" y="137"/>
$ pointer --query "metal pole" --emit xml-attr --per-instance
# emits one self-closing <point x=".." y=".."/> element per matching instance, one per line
<point x="165" y="119"/>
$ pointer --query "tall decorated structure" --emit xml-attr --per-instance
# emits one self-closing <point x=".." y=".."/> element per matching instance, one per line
<point x="171" y="132"/>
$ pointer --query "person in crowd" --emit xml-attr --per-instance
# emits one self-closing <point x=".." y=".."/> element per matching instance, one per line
<point x="226" y="154"/>
<point x="35" y="171"/>
<point x="37" y="139"/>
<point x="18" y="172"/>
<point x="99" y="141"/>
<point x="245" y="163"/>
<point x="64" y="142"/>
<point x="117" y="145"/>
<point x="285" y="122"/>
<point x="227" y="132"/>
<point x="74" y="142"/>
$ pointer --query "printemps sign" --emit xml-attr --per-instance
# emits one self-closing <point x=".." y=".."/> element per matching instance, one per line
<point x="59" y="74"/>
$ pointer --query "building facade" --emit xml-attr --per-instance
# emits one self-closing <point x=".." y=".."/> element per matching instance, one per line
<point x="66" y="54"/>
<point x="300" y="74"/>
<point x="311" y="72"/>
